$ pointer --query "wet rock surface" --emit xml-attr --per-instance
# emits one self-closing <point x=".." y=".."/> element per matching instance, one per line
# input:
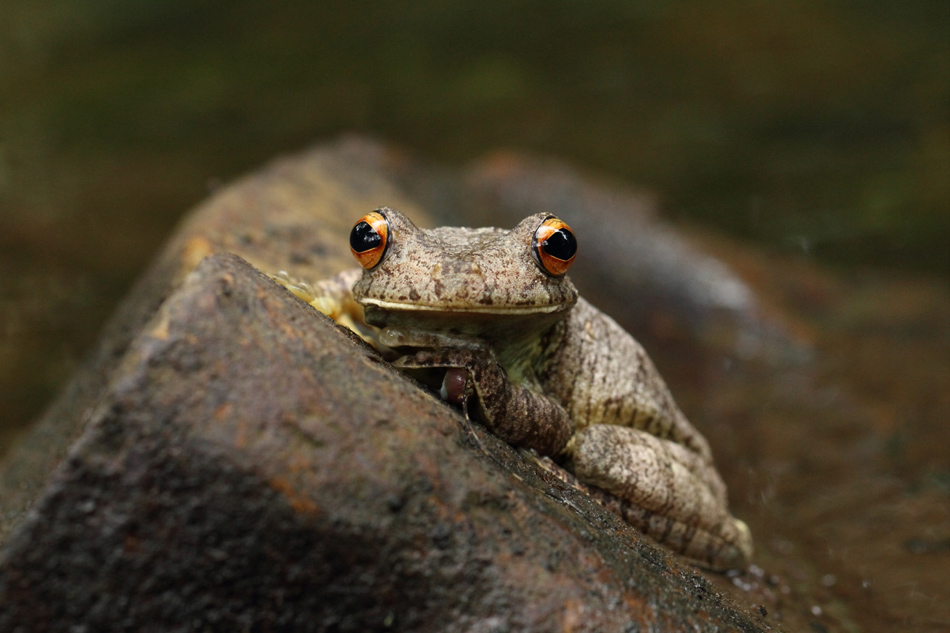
<point x="251" y="466"/>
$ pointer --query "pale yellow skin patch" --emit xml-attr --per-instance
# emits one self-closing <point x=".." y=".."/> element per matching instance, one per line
<point x="548" y="371"/>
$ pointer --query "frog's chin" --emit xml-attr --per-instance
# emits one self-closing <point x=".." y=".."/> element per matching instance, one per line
<point x="396" y="338"/>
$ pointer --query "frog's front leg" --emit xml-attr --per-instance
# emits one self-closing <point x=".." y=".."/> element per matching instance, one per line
<point x="513" y="412"/>
<point x="662" y="493"/>
<point x="334" y="298"/>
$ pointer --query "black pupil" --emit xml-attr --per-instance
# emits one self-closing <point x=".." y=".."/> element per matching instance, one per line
<point x="561" y="244"/>
<point x="364" y="237"/>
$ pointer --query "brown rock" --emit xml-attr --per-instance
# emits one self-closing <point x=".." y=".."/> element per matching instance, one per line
<point x="244" y="464"/>
<point x="290" y="216"/>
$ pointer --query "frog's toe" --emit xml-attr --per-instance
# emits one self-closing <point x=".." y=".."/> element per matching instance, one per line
<point x="449" y="358"/>
<point x="743" y="541"/>
<point x="455" y="386"/>
<point x="421" y="359"/>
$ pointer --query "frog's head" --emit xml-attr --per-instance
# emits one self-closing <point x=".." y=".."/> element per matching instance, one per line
<point x="460" y="282"/>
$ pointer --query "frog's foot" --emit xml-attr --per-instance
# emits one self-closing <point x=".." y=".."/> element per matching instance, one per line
<point x="298" y="287"/>
<point x="334" y="298"/>
<point x="664" y="492"/>
<point x="515" y="414"/>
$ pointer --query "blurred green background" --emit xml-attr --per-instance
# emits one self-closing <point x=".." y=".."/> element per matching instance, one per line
<point x="811" y="126"/>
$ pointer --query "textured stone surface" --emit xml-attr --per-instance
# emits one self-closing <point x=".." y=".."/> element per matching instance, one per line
<point x="289" y="216"/>
<point x="253" y="467"/>
<point x="239" y="463"/>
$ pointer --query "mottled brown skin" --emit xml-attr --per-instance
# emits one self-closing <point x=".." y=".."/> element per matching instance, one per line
<point x="546" y="371"/>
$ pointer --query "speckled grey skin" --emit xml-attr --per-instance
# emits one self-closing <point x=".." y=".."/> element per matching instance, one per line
<point x="549" y="372"/>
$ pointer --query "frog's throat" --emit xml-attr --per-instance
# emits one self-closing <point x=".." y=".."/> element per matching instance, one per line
<point x="405" y="307"/>
<point x="395" y="338"/>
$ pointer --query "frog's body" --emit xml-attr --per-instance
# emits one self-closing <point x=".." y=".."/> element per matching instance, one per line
<point x="543" y="368"/>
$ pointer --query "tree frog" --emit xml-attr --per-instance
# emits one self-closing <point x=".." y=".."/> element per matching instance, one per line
<point x="494" y="315"/>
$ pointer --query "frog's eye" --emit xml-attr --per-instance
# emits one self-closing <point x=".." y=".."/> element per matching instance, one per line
<point x="554" y="246"/>
<point x="369" y="239"/>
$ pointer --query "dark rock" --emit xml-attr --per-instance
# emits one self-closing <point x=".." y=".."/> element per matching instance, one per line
<point x="239" y="474"/>
<point x="294" y="210"/>
<point x="238" y="462"/>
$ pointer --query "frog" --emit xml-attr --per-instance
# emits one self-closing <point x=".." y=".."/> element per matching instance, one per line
<point x="493" y="313"/>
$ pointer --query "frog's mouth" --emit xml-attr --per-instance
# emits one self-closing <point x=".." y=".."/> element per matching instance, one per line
<point x="476" y="329"/>
<point x="374" y="305"/>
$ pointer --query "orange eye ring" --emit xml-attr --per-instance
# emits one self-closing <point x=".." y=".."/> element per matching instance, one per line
<point x="369" y="239"/>
<point x="554" y="246"/>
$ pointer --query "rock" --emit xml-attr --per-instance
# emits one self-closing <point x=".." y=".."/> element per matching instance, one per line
<point x="254" y="466"/>
<point x="290" y="216"/>
<point x="244" y="464"/>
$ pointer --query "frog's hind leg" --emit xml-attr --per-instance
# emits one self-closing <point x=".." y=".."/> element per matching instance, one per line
<point x="663" y="490"/>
